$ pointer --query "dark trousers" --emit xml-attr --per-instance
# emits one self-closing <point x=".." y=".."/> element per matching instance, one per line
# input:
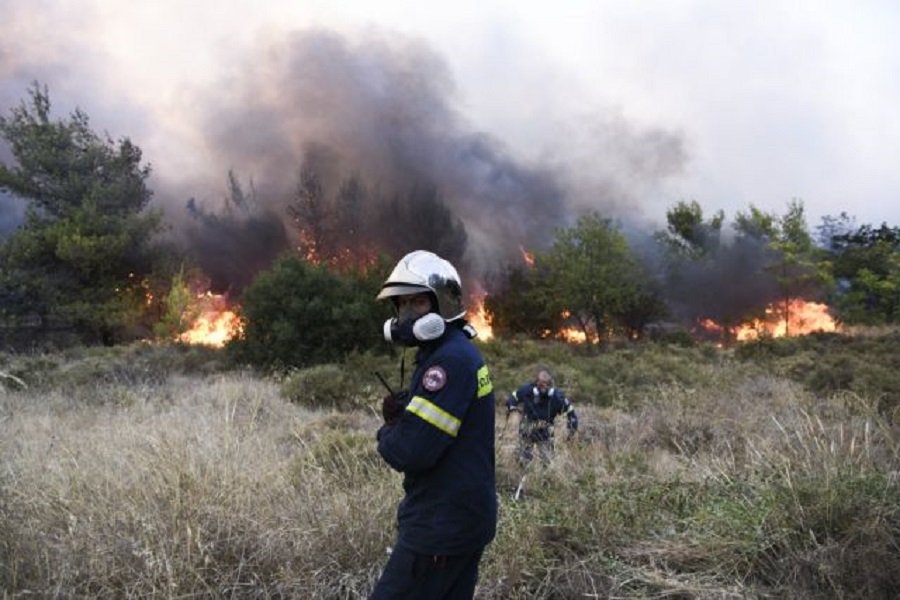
<point x="537" y="442"/>
<point x="411" y="576"/>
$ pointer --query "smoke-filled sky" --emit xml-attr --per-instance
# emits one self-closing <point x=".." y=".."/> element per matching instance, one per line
<point x="524" y="113"/>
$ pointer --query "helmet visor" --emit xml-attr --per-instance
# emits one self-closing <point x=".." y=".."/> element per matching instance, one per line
<point x="398" y="289"/>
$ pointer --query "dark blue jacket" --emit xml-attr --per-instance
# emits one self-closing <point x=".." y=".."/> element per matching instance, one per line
<point x="539" y="411"/>
<point x="444" y="445"/>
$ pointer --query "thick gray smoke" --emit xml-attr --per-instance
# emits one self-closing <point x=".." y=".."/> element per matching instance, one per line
<point x="725" y="287"/>
<point x="381" y="113"/>
<point x="362" y="142"/>
<point x="378" y="114"/>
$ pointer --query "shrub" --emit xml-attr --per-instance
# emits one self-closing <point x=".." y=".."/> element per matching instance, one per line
<point x="300" y="314"/>
<point x="324" y="386"/>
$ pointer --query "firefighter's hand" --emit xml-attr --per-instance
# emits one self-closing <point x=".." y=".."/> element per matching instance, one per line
<point x="393" y="405"/>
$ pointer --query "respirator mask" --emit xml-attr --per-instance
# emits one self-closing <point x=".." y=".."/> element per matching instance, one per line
<point x="411" y="329"/>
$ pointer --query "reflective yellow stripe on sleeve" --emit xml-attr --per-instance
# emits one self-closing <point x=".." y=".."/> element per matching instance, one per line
<point x="432" y="413"/>
<point x="485" y="382"/>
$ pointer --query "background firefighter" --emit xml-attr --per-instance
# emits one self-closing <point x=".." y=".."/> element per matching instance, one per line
<point x="539" y="403"/>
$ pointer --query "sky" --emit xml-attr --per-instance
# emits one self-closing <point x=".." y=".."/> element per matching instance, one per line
<point x="624" y="107"/>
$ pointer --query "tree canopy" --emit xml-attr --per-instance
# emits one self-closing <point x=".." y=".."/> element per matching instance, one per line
<point x="687" y="234"/>
<point x="301" y="313"/>
<point x="866" y="263"/>
<point x="89" y="257"/>
<point x="589" y="278"/>
<point x="85" y="257"/>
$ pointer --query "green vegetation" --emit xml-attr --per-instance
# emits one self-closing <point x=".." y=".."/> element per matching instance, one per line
<point x="829" y="363"/>
<point x="698" y="472"/>
<point x="89" y="266"/>
<point x="589" y="279"/>
<point x="593" y="276"/>
<point x="85" y="260"/>
<point x="300" y="314"/>
<point x="869" y="260"/>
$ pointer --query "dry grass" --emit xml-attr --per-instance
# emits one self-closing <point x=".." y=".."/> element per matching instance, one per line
<point x="741" y="486"/>
<point x="203" y="486"/>
<point x="758" y="491"/>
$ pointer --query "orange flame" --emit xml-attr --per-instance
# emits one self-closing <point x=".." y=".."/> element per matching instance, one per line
<point x="212" y="329"/>
<point x="796" y="317"/>
<point x="215" y="323"/>
<point x="711" y="326"/>
<point x="477" y="317"/>
<point x="527" y="256"/>
<point x="573" y="334"/>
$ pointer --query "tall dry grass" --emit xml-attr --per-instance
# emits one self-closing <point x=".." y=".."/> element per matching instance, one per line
<point x="736" y="485"/>
<point x="209" y="487"/>
<point x="757" y="491"/>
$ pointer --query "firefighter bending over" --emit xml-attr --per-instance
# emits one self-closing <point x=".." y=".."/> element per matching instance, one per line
<point x="540" y="403"/>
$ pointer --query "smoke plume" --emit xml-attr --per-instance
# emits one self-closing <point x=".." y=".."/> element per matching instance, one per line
<point x="379" y="115"/>
<point x="312" y="140"/>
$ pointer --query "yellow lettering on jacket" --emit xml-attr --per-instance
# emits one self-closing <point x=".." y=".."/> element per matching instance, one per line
<point x="485" y="382"/>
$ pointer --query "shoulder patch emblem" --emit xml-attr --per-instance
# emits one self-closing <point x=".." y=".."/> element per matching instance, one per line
<point x="434" y="379"/>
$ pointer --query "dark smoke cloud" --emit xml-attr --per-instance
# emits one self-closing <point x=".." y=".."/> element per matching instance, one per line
<point x="380" y="110"/>
<point x="726" y="286"/>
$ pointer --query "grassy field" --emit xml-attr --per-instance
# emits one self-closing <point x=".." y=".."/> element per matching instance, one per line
<point x="768" y="470"/>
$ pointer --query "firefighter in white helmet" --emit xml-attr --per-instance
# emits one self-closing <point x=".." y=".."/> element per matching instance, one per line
<point x="441" y="438"/>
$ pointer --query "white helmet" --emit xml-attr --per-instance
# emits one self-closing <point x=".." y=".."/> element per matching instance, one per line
<point x="423" y="271"/>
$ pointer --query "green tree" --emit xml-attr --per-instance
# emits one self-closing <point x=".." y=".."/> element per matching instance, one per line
<point x="520" y="304"/>
<point x="596" y="279"/>
<point x="83" y="258"/>
<point x="687" y="234"/>
<point x="178" y="314"/>
<point x="799" y="267"/>
<point x="756" y="224"/>
<point x="867" y="263"/>
<point x="300" y="313"/>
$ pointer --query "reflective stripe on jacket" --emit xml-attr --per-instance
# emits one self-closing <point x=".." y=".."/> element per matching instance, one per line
<point x="444" y="445"/>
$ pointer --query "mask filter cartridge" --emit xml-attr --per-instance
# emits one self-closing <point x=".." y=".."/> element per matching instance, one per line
<point x="411" y="332"/>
